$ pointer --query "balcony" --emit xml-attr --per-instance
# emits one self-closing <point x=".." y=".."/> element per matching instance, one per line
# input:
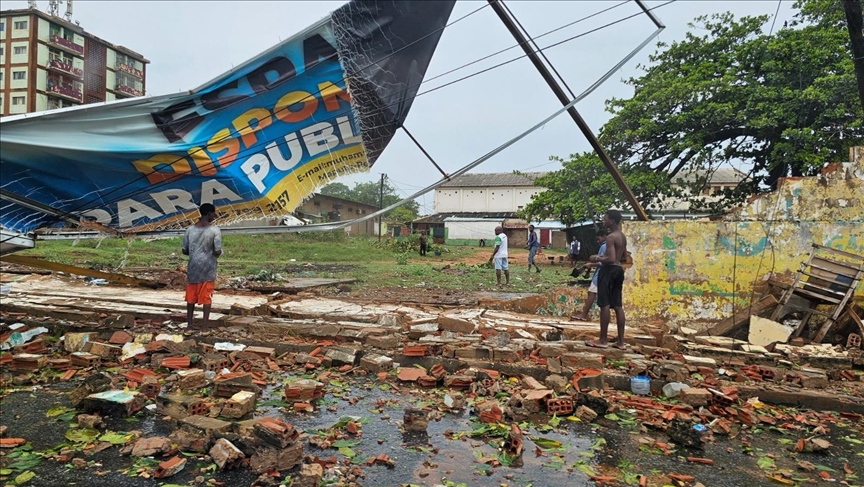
<point x="128" y="90"/>
<point x="66" y="45"/>
<point x="129" y="69"/>
<point x="65" y="89"/>
<point x="65" y="68"/>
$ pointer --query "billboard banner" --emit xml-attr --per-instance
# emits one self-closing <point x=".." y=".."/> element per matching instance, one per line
<point x="254" y="142"/>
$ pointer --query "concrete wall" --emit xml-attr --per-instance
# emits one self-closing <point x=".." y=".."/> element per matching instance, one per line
<point x="476" y="200"/>
<point x="693" y="272"/>
<point x="471" y="231"/>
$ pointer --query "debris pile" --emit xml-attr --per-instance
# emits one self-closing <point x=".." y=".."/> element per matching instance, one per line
<point x="507" y="370"/>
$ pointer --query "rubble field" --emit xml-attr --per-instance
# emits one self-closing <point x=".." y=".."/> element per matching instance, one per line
<point x="103" y="385"/>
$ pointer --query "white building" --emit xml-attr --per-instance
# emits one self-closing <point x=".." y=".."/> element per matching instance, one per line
<point x="486" y="192"/>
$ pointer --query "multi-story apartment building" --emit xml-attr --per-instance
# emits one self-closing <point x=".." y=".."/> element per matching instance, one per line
<point x="47" y="62"/>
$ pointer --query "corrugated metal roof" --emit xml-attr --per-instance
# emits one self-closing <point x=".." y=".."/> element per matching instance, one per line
<point x="440" y="217"/>
<point x="488" y="180"/>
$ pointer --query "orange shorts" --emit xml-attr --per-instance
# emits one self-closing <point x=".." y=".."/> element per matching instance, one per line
<point x="199" y="292"/>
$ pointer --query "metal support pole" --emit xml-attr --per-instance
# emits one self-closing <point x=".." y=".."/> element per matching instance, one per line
<point x="380" y="204"/>
<point x="574" y="114"/>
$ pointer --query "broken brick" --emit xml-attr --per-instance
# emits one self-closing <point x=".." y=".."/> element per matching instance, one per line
<point x="409" y="374"/>
<point x="416" y="420"/>
<point x="239" y="405"/>
<point x="560" y="406"/>
<point x="695" y="397"/>
<point x="169" y="467"/>
<point x="303" y="389"/>
<point x="415" y="350"/>
<point x="175" y="362"/>
<point x="114" y="402"/>
<point x="190" y="379"/>
<point x="147" y="447"/>
<point x="276" y="432"/>
<point x="225" y="454"/>
<point x="120" y="337"/>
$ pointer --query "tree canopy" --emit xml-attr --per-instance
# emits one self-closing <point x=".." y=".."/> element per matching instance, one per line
<point x="729" y="93"/>
<point x="368" y="193"/>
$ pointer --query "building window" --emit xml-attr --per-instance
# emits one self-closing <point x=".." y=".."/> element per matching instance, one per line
<point x="2" y="51"/>
<point x="19" y="50"/>
<point x="17" y="100"/>
<point x="19" y="74"/>
<point x="2" y="26"/>
<point x="20" y="25"/>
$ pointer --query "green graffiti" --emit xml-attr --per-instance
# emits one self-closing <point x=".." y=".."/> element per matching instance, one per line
<point x="669" y="257"/>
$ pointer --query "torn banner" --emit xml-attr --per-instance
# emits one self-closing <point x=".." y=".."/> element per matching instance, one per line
<point x="255" y="142"/>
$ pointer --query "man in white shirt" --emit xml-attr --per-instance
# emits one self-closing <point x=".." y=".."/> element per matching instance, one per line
<point x="575" y="247"/>
<point x="499" y="255"/>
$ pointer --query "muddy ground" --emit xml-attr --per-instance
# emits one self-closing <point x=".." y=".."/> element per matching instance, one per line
<point x="615" y="446"/>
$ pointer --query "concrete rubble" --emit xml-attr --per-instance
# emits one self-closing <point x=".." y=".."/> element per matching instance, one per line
<point x="504" y="367"/>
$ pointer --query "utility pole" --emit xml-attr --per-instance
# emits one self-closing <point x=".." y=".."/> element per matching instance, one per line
<point x="574" y="114"/>
<point x="855" y="25"/>
<point x="380" y="204"/>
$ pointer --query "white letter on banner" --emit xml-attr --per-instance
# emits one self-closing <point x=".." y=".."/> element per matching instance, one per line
<point x="130" y="210"/>
<point x="100" y="216"/>
<point x="213" y="190"/>
<point x="347" y="131"/>
<point x="169" y="200"/>
<point x="256" y="169"/>
<point x="319" y="138"/>
<point x="294" y="148"/>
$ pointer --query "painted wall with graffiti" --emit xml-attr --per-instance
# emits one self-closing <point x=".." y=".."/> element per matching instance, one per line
<point x="694" y="272"/>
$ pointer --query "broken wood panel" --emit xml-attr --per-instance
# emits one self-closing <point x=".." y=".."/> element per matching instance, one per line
<point x="741" y="317"/>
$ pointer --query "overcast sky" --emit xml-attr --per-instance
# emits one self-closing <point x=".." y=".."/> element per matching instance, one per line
<point x="189" y="43"/>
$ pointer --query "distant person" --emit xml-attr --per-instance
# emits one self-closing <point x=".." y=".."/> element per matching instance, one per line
<point x="592" y="289"/>
<point x="533" y="245"/>
<point x="422" y="243"/>
<point x="499" y="255"/>
<point x="610" y="279"/>
<point x="573" y="250"/>
<point x="202" y="242"/>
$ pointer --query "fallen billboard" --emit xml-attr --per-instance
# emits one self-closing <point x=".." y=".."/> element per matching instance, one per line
<point x="254" y="142"/>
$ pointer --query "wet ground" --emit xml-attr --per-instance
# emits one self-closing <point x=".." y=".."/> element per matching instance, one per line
<point x="608" y="446"/>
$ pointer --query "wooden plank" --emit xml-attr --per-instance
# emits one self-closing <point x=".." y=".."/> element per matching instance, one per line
<point x="814" y="295"/>
<point x="840" y="252"/>
<point x="741" y="317"/>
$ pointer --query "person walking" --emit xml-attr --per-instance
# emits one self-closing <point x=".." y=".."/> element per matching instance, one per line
<point x="610" y="280"/>
<point x="533" y="245"/>
<point x="422" y="243"/>
<point x="573" y="251"/>
<point x="592" y="289"/>
<point x="202" y="242"/>
<point x="499" y="255"/>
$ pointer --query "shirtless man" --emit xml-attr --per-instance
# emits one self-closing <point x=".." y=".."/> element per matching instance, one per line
<point x="610" y="280"/>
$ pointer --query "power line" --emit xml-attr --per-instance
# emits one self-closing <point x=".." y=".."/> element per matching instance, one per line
<point x="775" y="18"/>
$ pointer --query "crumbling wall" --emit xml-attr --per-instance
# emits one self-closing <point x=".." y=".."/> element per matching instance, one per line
<point x="693" y="272"/>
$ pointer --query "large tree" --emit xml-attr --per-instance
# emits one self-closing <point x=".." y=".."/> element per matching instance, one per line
<point x="783" y="103"/>
<point x="779" y="103"/>
<point x="369" y="193"/>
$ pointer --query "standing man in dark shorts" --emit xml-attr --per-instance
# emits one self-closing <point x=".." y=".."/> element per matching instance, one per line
<point x="202" y="242"/>
<point x="610" y="280"/>
<point x="422" y="243"/>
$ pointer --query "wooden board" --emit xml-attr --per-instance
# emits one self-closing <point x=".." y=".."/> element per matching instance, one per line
<point x="730" y="325"/>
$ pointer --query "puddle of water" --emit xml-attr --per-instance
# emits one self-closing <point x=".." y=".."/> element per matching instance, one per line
<point x="455" y="458"/>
